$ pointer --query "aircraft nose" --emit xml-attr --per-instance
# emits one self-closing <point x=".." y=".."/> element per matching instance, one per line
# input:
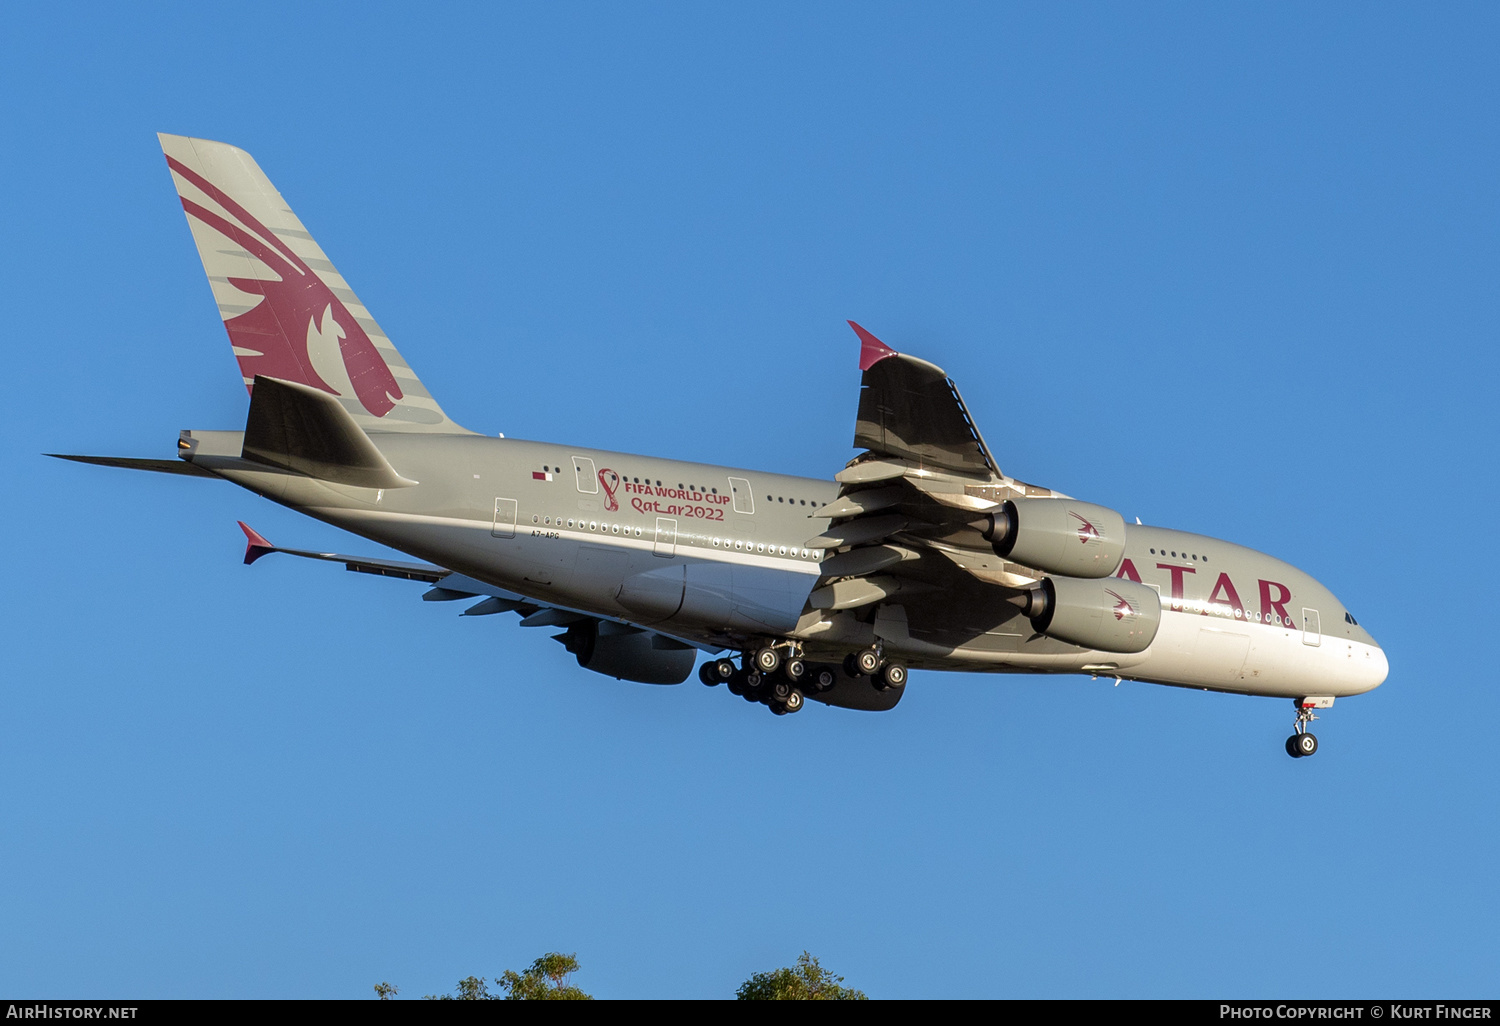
<point x="1373" y="669"/>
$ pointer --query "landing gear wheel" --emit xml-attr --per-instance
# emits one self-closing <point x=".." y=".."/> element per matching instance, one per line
<point x="780" y="690"/>
<point x="893" y="676"/>
<point x="767" y="660"/>
<point x="867" y="662"/>
<point x="793" y="701"/>
<point x="822" y="678"/>
<point x="723" y="669"/>
<point x="708" y="675"/>
<point x="794" y="670"/>
<point x="749" y="685"/>
<point x="1303" y="743"/>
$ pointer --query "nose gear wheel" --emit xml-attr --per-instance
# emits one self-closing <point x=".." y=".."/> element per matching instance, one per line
<point x="1302" y="743"/>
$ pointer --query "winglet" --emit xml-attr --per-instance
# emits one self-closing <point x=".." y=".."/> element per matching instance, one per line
<point x="257" y="546"/>
<point x="871" y="349"/>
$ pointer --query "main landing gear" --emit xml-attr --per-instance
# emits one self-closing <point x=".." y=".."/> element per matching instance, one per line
<point x="1303" y="742"/>
<point x="884" y="674"/>
<point x="716" y="672"/>
<point x="785" y="678"/>
<point x="777" y="676"/>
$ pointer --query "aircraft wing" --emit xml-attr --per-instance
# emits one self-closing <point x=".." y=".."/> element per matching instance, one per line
<point x="910" y="409"/>
<point x="912" y="516"/>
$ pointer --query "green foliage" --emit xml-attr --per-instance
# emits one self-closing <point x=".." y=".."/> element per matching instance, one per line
<point x="385" y="991"/>
<point x="546" y="980"/>
<point x="470" y="988"/>
<point x="807" y="981"/>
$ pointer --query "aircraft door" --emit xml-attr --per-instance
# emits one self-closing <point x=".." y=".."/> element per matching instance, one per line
<point x="666" y="537"/>
<point x="1312" y="633"/>
<point x="505" y="519"/>
<point x="583" y="473"/>
<point x="744" y="500"/>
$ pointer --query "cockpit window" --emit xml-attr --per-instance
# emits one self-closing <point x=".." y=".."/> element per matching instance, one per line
<point x="1349" y="618"/>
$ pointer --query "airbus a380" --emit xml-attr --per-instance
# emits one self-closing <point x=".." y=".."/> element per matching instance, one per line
<point x="919" y="554"/>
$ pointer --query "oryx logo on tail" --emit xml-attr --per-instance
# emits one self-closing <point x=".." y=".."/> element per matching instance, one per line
<point x="298" y="330"/>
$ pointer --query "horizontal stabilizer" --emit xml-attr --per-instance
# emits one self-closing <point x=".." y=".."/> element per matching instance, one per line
<point x="129" y="463"/>
<point x="297" y="427"/>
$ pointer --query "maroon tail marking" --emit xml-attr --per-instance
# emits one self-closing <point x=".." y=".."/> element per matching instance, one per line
<point x="276" y="329"/>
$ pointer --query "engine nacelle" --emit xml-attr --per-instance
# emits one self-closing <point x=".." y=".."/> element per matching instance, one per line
<point x="1059" y="536"/>
<point x="628" y="653"/>
<point x="1108" y="615"/>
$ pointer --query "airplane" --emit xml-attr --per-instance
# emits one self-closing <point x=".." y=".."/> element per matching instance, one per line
<point x="919" y="554"/>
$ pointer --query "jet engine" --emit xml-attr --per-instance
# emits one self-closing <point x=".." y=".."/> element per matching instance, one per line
<point x="629" y="653"/>
<point x="1108" y="615"/>
<point x="1059" y="536"/>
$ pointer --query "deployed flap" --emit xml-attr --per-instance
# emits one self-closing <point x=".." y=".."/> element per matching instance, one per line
<point x="298" y="427"/>
<point x="909" y="408"/>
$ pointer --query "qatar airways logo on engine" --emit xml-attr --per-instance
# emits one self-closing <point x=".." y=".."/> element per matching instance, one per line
<point x="1086" y="530"/>
<point x="1122" y="607"/>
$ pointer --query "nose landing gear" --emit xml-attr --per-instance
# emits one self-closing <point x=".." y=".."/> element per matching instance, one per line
<point x="1303" y="742"/>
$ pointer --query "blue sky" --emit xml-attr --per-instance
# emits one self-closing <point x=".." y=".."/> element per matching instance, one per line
<point x="1228" y="268"/>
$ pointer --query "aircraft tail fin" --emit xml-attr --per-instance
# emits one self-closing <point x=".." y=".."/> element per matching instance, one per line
<point x="289" y="313"/>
